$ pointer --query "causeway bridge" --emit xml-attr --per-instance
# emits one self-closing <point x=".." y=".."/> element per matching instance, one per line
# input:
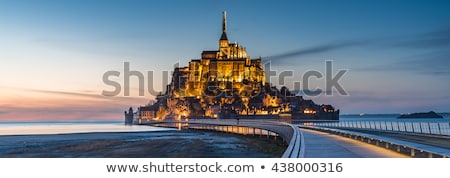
<point x="331" y="139"/>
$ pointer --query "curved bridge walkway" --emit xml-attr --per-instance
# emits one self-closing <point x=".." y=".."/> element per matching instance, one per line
<point x="325" y="145"/>
<point x="302" y="142"/>
<point x="271" y="129"/>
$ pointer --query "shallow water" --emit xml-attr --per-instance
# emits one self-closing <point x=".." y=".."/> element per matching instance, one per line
<point x="38" y="128"/>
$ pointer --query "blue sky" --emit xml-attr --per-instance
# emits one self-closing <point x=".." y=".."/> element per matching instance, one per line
<point x="54" y="53"/>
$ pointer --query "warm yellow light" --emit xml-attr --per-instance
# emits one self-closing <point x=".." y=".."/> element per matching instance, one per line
<point x="308" y="111"/>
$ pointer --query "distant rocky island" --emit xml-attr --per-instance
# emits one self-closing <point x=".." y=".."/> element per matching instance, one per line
<point x="430" y="114"/>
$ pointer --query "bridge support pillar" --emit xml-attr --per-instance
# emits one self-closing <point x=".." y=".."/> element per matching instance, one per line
<point x="413" y="152"/>
<point x="439" y="128"/>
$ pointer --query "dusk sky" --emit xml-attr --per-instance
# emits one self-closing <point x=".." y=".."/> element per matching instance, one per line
<point x="54" y="53"/>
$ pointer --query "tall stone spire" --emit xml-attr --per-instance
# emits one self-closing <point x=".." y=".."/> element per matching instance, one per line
<point x="224" y="27"/>
<point x="224" y="22"/>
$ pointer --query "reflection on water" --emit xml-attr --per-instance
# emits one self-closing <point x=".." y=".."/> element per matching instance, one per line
<point x="33" y="128"/>
<point x="18" y="128"/>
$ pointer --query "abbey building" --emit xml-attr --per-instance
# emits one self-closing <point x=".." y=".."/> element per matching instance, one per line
<point x="227" y="83"/>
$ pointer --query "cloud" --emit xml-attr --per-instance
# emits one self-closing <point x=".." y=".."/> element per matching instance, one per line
<point x="432" y="54"/>
<point x="100" y="112"/>
<point x="86" y="95"/>
<point x="433" y="63"/>
<point x="316" y="50"/>
<point x="72" y="106"/>
<point x="434" y="47"/>
<point x="65" y="93"/>
<point x="385" y="102"/>
<point x="437" y="39"/>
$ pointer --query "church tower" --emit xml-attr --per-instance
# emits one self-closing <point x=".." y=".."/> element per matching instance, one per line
<point x="223" y="42"/>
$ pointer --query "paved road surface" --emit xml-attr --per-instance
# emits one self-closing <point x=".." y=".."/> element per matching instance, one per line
<point x="324" y="145"/>
<point x="436" y="141"/>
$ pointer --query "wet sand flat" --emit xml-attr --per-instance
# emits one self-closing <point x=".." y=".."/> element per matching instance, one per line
<point x="160" y="144"/>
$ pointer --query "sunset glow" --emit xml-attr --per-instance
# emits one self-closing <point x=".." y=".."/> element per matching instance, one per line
<point x="55" y="53"/>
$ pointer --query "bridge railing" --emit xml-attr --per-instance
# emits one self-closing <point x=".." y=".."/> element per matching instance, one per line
<point x="401" y="146"/>
<point x="296" y="148"/>
<point x="288" y="132"/>
<point x="432" y="128"/>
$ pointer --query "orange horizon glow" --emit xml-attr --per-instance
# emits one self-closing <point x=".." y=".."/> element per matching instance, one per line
<point x="40" y="105"/>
